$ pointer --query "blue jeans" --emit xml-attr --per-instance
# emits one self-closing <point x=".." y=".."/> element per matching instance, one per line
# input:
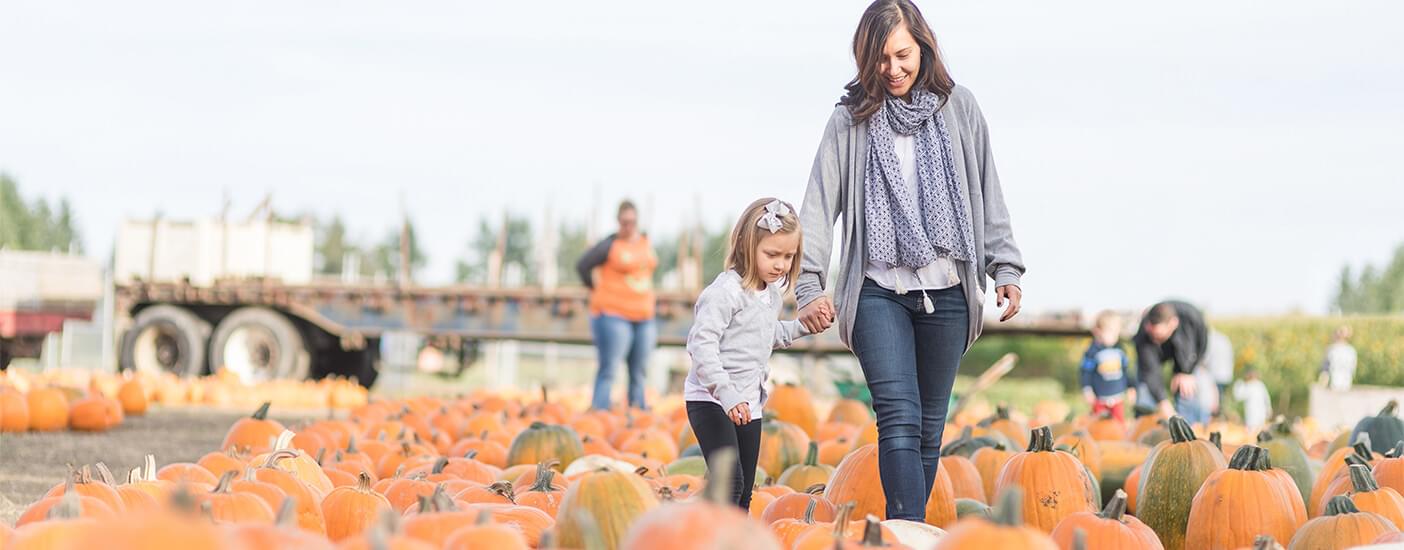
<point x="909" y="358"/>
<point x="618" y="339"/>
<point x="1191" y="410"/>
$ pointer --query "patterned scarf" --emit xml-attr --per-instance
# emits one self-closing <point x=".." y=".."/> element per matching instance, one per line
<point x="905" y="230"/>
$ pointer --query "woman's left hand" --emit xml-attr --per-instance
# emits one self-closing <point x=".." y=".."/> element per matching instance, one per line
<point x="1013" y="295"/>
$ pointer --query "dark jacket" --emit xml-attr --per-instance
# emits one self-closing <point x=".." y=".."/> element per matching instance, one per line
<point x="593" y="258"/>
<point x="1185" y="349"/>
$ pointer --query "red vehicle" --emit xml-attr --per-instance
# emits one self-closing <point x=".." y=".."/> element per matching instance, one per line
<point x="38" y="292"/>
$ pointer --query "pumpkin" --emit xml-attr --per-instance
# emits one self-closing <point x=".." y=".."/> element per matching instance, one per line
<point x="610" y="501"/>
<point x="283" y="533"/>
<point x="437" y="517"/>
<point x="1171" y="476"/>
<point x="1086" y="449"/>
<point x="1343" y="526"/>
<point x="1385" y="429"/>
<point x="971" y="508"/>
<point x="486" y="535"/>
<point x="940" y="504"/>
<point x="989" y="461"/>
<point x="62" y="523"/>
<point x="856" y="479"/>
<point x="1368" y="496"/>
<point x="1110" y="528"/>
<point x="1286" y="452"/>
<point x="831" y="453"/>
<point x="1054" y="484"/>
<point x="1118" y="459"/>
<point x="788" y="529"/>
<point x="851" y="412"/>
<point x="650" y="443"/>
<point x="1257" y="501"/>
<point x="14" y="411"/>
<point x="271" y="494"/>
<point x="1005" y="530"/>
<point x="95" y="413"/>
<point x="1341" y="485"/>
<point x="1107" y="428"/>
<point x="229" y="507"/>
<point x="132" y="396"/>
<point x="404" y="492"/>
<point x="792" y="404"/>
<point x="81" y="481"/>
<point x="714" y="522"/>
<point x="48" y="409"/>
<point x="218" y="462"/>
<point x="543" y="442"/>
<point x="1335" y="468"/>
<point x="810" y="502"/>
<point x="782" y="445"/>
<point x="74" y="504"/>
<point x="310" y="516"/>
<point x="185" y="472"/>
<point x="965" y="478"/>
<point x="145" y="480"/>
<point x="349" y="511"/>
<point x="1389" y="471"/>
<point x="386" y="534"/>
<point x="296" y="461"/>
<point x="1133" y="484"/>
<point x="254" y="434"/>
<point x="500" y="492"/>
<point x="134" y="498"/>
<point x="1001" y="422"/>
<point x="811" y="472"/>
<point x="544" y="493"/>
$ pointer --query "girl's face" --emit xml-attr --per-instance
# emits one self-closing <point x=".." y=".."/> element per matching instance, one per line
<point x="900" y="62"/>
<point x="775" y="254"/>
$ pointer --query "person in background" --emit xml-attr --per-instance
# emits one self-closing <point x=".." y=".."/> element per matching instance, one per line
<point x="1339" y="366"/>
<point x="619" y="273"/>
<point x="1173" y="331"/>
<point x="1106" y="373"/>
<point x="1257" y="404"/>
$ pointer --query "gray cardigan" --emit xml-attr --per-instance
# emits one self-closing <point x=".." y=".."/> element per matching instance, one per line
<point x="836" y="188"/>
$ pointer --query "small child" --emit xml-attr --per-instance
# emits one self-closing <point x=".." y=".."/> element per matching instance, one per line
<point x="1106" y="373"/>
<point x="734" y="330"/>
<point x="1253" y="393"/>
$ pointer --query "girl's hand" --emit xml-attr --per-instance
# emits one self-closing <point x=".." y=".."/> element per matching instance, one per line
<point x="740" y="414"/>
<point x="1013" y="295"/>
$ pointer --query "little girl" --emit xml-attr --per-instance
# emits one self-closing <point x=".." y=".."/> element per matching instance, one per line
<point x="733" y="332"/>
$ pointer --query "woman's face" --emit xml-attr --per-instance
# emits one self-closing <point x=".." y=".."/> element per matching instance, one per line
<point x="628" y="224"/>
<point x="900" y="62"/>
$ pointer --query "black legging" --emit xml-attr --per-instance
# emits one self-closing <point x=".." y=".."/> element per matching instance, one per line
<point x="715" y="430"/>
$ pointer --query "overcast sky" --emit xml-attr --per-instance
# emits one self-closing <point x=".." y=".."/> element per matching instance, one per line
<point x="1233" y="153"/>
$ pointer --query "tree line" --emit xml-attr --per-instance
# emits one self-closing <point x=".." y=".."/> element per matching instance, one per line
<point x="34" y="225"/>
<point x="1372" y="290"/>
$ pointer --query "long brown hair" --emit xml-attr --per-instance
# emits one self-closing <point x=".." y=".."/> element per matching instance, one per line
<point x="866" y="91"/>
<point x="747" y="235"/>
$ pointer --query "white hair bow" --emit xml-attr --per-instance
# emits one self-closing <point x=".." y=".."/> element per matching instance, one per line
<point x="771" y="219"/>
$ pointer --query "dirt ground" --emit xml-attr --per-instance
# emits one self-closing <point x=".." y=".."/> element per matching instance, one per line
<point x="31" y="463"/>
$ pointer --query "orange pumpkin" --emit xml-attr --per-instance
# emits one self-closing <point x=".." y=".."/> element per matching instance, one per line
<point x="714" y="522"/>
<point x="436" y="518"/>
<point x="795" y="506"/>
<point x="485" y="535"/>
<point x="832" y="452"/>
<point x="856" y="479"/>
<point x="544" y="493"/>
<point x="1055" y="485"/>
<point x="14" y="411"/>
<point x="792" y="404"/>
<point x="230" y="507"/>
<point x="852" y="412"/>
<point x="48" y="409"/>
<point x="349" y="511"/>
<point x="1257" y="500"/>
<point x="940" y="504"/>
<point x="283" y="533"/>
<point x="132" y="396"/>
<point x="219" y="462"/>
<point x="95" y="413"/>
<point x="185" y="472"/>
<point x="989" y="461"/>
<point x="1133" y="484"/>
<point x="1111" y="528"/>
<point x="308" y="499"/>
<point x="1335" y="468"/>
<point x="965" y="478"/>
<point x="789" y="530"/>
<point x="82" y="482"/>
<point x="782" y="445"/>
<point x="1368" y="496"/>
<point x="1343" y="526"/>
<point x="1006" y="529"/>
<point x="74" y="503"/>
<point x="254" y="434"/>
<point x="402" y="493"/>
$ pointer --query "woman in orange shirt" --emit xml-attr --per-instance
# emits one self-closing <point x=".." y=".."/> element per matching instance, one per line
<point x="619" y="273"/>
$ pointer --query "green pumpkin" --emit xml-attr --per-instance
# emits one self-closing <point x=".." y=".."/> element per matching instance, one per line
<point x="1286" y="452"/>
<point x="971" y="508"/>
<point x="1172" y="474"/>
<point x="691" y="465"/>
<point x="966" y="444"/>
<point x="541" y="442"/>
<point x="1386" y="430"/>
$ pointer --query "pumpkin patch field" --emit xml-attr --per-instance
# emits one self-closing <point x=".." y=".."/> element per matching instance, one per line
<point x="316" y="466"/>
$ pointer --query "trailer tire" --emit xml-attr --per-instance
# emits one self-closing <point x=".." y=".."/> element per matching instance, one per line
<point x="259" y="344"/>
<point x="166" y="338"/>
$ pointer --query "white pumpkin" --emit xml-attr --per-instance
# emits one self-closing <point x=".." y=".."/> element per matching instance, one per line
<point x="914" y="534"/>
<point x="590" y="463"/>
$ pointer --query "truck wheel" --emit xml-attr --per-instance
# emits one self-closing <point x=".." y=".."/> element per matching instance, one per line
<point x="259" y="344"/>
<point x="166" y="338"/>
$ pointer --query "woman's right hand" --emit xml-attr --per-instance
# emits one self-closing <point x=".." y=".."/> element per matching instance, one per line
<point x="817" y="316"/>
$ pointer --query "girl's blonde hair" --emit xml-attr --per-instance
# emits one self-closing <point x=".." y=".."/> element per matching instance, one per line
<point x="747" y="235"/>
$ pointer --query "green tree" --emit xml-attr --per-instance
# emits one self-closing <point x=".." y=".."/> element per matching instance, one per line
<point x="570" y="247"/>
<point x="473" y="266"/>
<point x="36" y="227"/>
<point x="386" y="257"/>
<point x="332" y="247"/>
<point x="1377" y="290"/>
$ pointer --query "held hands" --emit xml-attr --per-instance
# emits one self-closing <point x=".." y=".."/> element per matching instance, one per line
<point x="818" y="315"/>
<point x="1013" y="295"/>
<point x="740" y="414"/>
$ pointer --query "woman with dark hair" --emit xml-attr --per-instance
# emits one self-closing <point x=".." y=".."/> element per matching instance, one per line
<point x="619" y="272"/>
<point x="905" y="160"/>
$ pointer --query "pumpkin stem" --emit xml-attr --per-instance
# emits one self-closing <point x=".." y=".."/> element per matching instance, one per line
<point x="224" y="481"/>
<point x="321" y="454"/>
<point x="439" y="466"/>
<point x="287" y="514"/>
<point x="1217" y="439"/>
<point x="1266" y="542"/>
<point x="1362" y="480"/>
<point x="1079" y="541"/>
<point x="1248" y="457"/>
<point x="1264" y="436"/>
<point x="537" y="425"/>
<point x="1341" y="504"/>
<point x="665" y="494"/>
<point x="841" y="518"/>
<point x="484" y="517"/>
<point x="1116" y="507"/>
<point x="275" y="456"/>
<point x="641" y="471"/>
<point x="262" y="412"/>
<point x="719" y="489"/>
<point x="149" y="461"/>
<point x="1040" y="439"/>
<point x="1363" y="439"/>
<point x="1002" y="412"/>
<point x="545" y="397"/>
<point x="1354" y="460"/>
<point x="872" y="531"/>
<point x="544" y="477"/>
<point x="815" y="489"/>
<point x="351" y="445"/>
<point x="284" y="440"/>
<point x="808" y="517"/>
<point x="1180" y="430"/>
<point x="1009" y="511"/>
<point x="105" y="474"/>
<point x="504" y="490"/>
<point x="812" y="459"/>
<point x="69" y="505"/>
<point x="363" y="482"/>
<point x="134" y="476"/>
<point x="1399" y="450"/>
<point x="1389" y="408"/>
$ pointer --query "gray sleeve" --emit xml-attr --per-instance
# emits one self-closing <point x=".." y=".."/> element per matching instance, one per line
<point x="786" y="332"/>
<point x="820" y="209"/>
<point x="713" y="314"/>
<point x="593" y="258"/>
<point x="1003" y="262"/>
